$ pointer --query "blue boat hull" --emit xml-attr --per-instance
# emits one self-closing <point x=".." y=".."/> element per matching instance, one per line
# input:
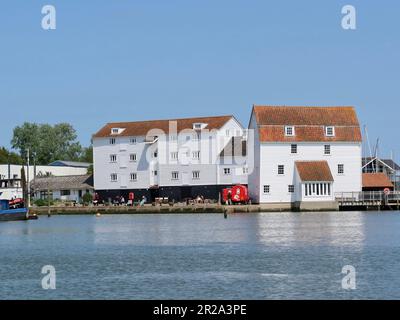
<point x="14" y="214"/>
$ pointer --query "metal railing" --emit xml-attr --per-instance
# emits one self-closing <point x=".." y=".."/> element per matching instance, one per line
<point x="367" y="197"/>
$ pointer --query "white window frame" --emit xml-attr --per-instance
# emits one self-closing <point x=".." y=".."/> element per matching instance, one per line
<point x="330" y="128"/>
<point x="112" y="141"/>
<point x="196" y="175"/>
<point x="227" y="171"/>
<point x="174" y="155"/>
<point x="281" y="166"/>
<point x="133" y="176"/>
<point x="113" y="158"/>
<point x="287" y="134"/>
<point x="196" y="155"/>
<point x="266" y="189"/>
<point x="175" y="175"/>
<point x="133" y="157"/>
<point x="114" y="177"/>
<point x="292" y="147"/>
<point x="327" y="150"/>
<point x="340" y="169"/>
<point x="291" y="188"/>
<point x="132" y="140"/>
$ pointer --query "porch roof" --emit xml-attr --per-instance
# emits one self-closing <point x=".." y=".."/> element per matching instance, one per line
<point x="376" y="180"/>
<point x="314" y="171"/>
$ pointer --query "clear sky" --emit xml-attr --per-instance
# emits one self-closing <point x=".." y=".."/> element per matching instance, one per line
<point x="133" y="60"/>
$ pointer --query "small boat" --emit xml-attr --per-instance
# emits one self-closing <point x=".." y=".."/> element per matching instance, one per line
<point x="13" y="212"/>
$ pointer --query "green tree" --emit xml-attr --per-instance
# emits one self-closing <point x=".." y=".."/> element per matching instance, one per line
<point x="9" y="157"/>
<point x="47" y="143"/>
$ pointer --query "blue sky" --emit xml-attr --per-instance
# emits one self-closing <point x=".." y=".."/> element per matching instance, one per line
<point x="133" y="60"/>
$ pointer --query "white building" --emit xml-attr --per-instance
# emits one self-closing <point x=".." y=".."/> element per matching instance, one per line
<point x="178" y="159"/>
<point x="10" y="176"/>
<point x="66" y="188"/>
<point x="304" y="155"/>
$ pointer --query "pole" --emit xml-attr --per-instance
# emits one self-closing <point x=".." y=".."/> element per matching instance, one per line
<point x="28" y="184"/>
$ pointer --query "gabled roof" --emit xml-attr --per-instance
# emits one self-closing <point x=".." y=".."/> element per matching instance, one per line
<point x="141" y="128"/>
<point x="314" y="171"/>
<point x="386" y="162"/>
<point x="376" y="180"/>
<point x="309" y="123"/>
<point x="236" y="147"/>
<point x="63" y="182"/>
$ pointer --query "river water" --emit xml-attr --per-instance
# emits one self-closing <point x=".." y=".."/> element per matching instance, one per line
<point x="204" y="256"/>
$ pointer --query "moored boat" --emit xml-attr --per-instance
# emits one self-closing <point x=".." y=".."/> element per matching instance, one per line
<point x="14" y="213"/>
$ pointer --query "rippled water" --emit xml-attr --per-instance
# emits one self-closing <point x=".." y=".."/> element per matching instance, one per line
<point x="252" y="256"/>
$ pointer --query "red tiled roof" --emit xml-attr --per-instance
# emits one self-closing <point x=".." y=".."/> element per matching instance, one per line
<point x="376" y="180"/>
<point x="314" y="171"/>
<point x="141" y="128"/>
<point x="309" y="123"/>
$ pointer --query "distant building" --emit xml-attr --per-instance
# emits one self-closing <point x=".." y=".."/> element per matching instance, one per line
<point x="63" y="188"/>
<point x="387" y="166"/>
<point x="376" y="182"/>
<point x="71" y="164"/>
<point x="177" y="158"/>
<point x="304" y="155"/>
<point x="10" y="176"/>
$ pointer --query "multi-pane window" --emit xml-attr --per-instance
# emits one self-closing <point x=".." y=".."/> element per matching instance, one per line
<point x="132" y="157"/>
<point x="329" y="131"/>
<point x="327" y="149"/>
<point x="174" y="155"/>
<point x="281" y="169"/>
<point x="196" y="154"/>
<point x="266" y="189"/>
<point x="113" y="158"/>
<point x="175" y="175"/>
<point x="227" y="171"/>
<point x="293" y="148"/>
<point x="289" y="131"/>
<point x="155" y="154"/>
<point x="245" y="170"/>
<point x="196" y="175"/>
<point x="154" y="172"/>
<point x="65" y="192"/>
<point x="340" y="169"/>
<point x="291" y="188"/>
<point x="133" y="176"/>
<point x="317" y="189"/>
<point x="114" y="130"/>
<point x="112" y="140"/>
<point x="114" y="177"/>
<point x="132" y="140"/>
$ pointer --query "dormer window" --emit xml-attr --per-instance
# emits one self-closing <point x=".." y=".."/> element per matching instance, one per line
<point x="199" y="126"/>
<point x="117" y="130"/>
<point x="330" y="131"/>
<point x="289" y="131"/>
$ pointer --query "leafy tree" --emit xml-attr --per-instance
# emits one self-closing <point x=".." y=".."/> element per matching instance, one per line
<point x="9" y="157"/>
<point x="87" y="154"/>
<point x="47" y="143"/>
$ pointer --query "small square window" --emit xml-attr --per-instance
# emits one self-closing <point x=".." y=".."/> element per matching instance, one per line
<point x="133" y="176"/>
<point x="113" y="158"/>
<point x="132" y="157"/>
<point x="293" y="148"/>
<point x="267" y="189"/>
<point x="227" y="171"/>
<point x="112" y="141"/>
<point x="132" y="141"/>
<point x="291" y="188"/>
<point x="327" y="149"/>
<point x="289" y="131"/>
<point x="114" y="177"/>
<point x="281" y="169"/>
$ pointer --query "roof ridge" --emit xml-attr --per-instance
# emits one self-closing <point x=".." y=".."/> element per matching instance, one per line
<point x="173" y="119"/>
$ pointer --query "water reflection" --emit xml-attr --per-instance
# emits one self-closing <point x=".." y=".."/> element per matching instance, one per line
<point x="299" y="229"/>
